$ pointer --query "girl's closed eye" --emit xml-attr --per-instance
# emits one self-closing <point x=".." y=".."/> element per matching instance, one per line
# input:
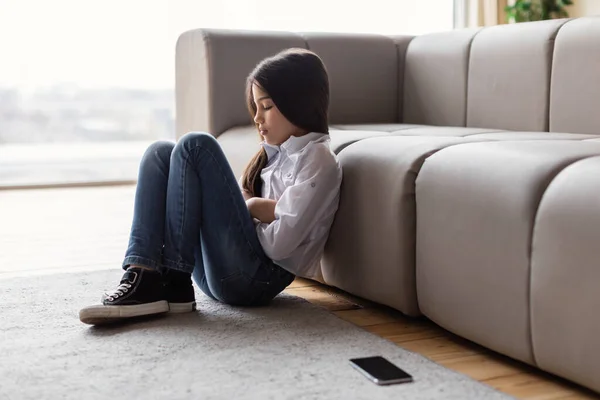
<point x="267" y="108"/>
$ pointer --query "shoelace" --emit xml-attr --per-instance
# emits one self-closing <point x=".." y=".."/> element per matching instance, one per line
<point x="119" y="291"/>
<point x="128" y="279"/>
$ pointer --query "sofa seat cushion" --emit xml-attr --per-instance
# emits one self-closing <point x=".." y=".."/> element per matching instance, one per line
<point x="442" y="131"/>
<point x="375" y="127"/>
<point x="371" y="247"/>
<point x="239" y="144"/>
<point x="342" y="139"/>
<point x="476" y="207"/>
<point x="512" y="135"/>
<point x="565" y="271"/>
<point x="482" y="134"/>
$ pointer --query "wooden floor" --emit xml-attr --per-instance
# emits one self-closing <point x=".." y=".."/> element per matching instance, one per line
<point x="54" y="230"/>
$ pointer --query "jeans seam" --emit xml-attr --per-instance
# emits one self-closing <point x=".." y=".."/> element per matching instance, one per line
<point x="184" y="267"/>
<point x="180" y="216"/>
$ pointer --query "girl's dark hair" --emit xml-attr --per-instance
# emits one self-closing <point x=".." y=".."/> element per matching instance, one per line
<point x="297" y="82"/>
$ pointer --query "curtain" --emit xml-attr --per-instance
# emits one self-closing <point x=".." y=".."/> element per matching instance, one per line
<point x="484" y="12"/>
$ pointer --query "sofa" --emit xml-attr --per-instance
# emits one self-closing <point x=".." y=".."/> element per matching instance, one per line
<point x="471" y="161"/>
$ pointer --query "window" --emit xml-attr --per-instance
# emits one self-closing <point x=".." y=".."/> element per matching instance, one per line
<point x="86" y="86"/>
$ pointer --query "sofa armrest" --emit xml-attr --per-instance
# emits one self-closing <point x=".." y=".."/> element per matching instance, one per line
<point x="211" y="69"/>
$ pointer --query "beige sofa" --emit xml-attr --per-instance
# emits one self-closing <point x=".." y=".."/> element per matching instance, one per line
<point x="471" y="158"/>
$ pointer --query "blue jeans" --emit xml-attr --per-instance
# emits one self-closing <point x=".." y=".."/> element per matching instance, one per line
<point x="190" y="216"/>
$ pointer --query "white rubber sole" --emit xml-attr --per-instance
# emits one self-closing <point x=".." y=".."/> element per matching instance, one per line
<point x="101" y="314"/>
<point x="180" y="308"/>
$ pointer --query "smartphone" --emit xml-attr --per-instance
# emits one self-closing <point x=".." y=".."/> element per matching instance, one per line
<point x="380" y="370"/>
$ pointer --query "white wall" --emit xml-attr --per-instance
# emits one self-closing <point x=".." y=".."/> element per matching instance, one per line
<point x="131" y="43"/>
<point x="583" y="8"/>
<point x="374" y="16"/>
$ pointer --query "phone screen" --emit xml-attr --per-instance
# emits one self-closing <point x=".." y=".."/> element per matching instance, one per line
<point x="381" y="369"/>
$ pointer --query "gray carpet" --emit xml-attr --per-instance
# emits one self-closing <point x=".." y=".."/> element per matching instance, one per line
<point x="289" y="350"/>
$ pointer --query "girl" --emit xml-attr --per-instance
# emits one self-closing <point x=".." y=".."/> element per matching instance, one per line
<point x="242" y="247"/>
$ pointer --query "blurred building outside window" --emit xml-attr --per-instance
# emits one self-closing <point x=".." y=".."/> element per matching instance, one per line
<point x="86" y="86"/>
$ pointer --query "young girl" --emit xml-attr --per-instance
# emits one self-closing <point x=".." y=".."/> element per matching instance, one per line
<point x="242" y="247"/>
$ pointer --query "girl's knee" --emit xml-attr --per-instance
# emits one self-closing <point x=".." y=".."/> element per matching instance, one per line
<point x="161" y="149"/>
<point x="195" y="139"/>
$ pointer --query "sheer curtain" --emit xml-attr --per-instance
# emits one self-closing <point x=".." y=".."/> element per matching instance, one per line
<point x="484" y="12"/>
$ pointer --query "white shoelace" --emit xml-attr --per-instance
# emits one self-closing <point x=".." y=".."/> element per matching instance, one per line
<point x="118" y="292"/>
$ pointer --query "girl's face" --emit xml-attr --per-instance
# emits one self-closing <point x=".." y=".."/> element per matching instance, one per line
<point x="272" y="125"/>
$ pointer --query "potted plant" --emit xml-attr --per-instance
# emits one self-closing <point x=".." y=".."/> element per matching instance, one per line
<point x="537" y="10"/>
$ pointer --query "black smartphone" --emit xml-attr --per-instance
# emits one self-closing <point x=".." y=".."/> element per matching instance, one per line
<point x="380" y="370"/>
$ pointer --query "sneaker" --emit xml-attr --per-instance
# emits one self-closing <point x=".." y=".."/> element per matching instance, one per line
<point x="141" y="292"/>
<point x="179" y="291"/>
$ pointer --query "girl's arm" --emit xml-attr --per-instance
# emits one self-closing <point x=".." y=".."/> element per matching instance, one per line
<point x="262" y="209"/>
<point x="313" y="196"/>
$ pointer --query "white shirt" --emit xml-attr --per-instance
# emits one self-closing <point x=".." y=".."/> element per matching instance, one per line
<point x="304" y="176"/>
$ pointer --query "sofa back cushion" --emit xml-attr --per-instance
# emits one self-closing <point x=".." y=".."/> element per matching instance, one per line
<point x="435" y="78"/>
<point x="509" y="76"/>
<point x="363" y="76"/>
<point x="575" y="88"/>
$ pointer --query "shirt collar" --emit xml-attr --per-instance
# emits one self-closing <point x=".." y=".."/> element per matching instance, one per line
<point x="293" y="144"/>
<point x="270" y="149"/>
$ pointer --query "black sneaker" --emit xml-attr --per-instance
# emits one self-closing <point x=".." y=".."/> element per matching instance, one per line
<point x="179" y="291"/>
<point x="141" y="292"/>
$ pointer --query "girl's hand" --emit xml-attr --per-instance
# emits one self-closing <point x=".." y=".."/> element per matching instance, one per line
<point x="262" y="209"/>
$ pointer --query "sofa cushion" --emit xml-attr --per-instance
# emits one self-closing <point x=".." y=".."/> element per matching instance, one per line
<point x="241" y="143"/>
<point x="477" y="204"/>
<point x="374" y="127"/>
<point x="565" y="272"/>
<point x="509" y="75"/>
<point x="371" y="247"/>
<point x="435" y="78"/>
<point x="442" y="131"/>
<point x="342" y="139"/>
<point x="363" y="76"/>
<point x="402" y="42"/>
<point x="575" y="94"/>
<point x="512" y="135"/>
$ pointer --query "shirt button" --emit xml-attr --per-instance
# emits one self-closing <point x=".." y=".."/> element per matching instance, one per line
<point x="312" y="184"/>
